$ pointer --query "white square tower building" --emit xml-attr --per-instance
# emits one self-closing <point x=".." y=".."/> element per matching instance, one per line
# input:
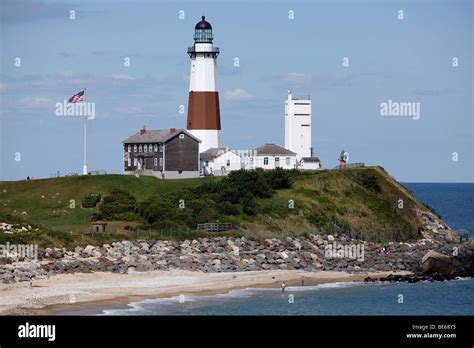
<point x="298" y="125"/>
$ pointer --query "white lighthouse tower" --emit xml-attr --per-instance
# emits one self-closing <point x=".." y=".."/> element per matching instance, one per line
<point x="203" y="108"/>
<point x="298" y="125"/>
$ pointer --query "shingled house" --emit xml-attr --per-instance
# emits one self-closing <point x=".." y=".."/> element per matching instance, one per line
<point x="167" y="154"/>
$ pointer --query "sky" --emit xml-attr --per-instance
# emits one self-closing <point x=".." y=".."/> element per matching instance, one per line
<point x="425" y="57"/>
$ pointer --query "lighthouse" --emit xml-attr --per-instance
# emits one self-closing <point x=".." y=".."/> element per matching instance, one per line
<point x="204" y="121"/>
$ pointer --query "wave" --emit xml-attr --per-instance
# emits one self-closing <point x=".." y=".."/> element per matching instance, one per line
<point x="170" y="304"/>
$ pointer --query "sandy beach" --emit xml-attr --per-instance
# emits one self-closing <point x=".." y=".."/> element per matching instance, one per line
<point x="70" y="292"/>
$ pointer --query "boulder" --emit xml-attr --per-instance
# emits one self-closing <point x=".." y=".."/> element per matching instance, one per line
<point x="89" y="250"/>
<point x="435" y="262"/>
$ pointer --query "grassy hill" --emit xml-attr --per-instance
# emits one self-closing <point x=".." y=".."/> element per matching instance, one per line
<point x="362" y="202"/>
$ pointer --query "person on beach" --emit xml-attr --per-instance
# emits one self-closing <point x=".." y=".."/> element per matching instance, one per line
<point x="31" y="282"/>
<point x="283" y="287"/>
<point x="302" y="281"/>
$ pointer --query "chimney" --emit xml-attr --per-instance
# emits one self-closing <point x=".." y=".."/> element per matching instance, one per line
<point x="172" y="130"/>
<point x="143" y="130"/>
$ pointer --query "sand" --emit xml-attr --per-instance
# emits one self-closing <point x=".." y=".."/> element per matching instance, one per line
<point x="70" y="292"/>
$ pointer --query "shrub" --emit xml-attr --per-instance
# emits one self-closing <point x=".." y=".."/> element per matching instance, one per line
<point x="118" y="202"/>
<point x="369" y="180"/>
<point x="91" y="200"/>
<point x="227" y="208"/>
<point x="250" y="206"/>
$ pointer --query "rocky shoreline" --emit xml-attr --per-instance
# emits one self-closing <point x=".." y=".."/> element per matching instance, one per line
<point x="227" y="254"/>
<point x="439" y="255"/>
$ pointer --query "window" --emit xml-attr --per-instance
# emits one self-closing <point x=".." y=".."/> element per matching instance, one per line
<point x="156" y="148"/>
<point x="288" y="161"/>
<point x="140" y="148"/>
<point x="135" y="162"/>
<point x="145" y="148"/>
<point x="129" y="148"/>
<point x="161" y="161"/>
<point x="129" y="161"/>
<point x="228" y="163"/>
<point x="265" y="161"/>
<point x="181" y="136"/>
<point x="277" y="161"/>
<point x="161" y="148"/>
<point x="155" y="161"/>
<point x="150" y="148"/>
<point x="134" y="148"/>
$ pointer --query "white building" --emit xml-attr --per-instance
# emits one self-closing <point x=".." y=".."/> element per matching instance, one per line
<point x="298" y="125"/>
<point x="219" y="161"/>
<point x="298" y="131"/>
<point x="270" y="156"/>
<point x="309" y="163"/>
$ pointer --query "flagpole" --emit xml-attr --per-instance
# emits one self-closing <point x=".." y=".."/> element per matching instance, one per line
<point x="84" y="168"/>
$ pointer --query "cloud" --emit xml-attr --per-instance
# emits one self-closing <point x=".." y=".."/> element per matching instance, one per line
<point x="123" y="77"/>
<point x="296" y="80"/>
<point x="66" y="54"/>
<point x="29" y="103"/>
<point x="433" y="92"/>
<point x="129" y="110"/>
<point x="14" y="11"/>
<point x="237" y="94"/>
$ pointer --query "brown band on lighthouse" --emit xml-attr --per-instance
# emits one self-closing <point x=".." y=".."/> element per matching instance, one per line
<point x="203" y="111"/>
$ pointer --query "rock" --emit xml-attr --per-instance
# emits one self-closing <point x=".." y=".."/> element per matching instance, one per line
<point x="297" y="244"/>
<point x="89" y="250"/>
<point x="284" y="255"/>
<point x="319" y="242"/>
<point x="434" y="261"/>
<point x="330" y="238"/>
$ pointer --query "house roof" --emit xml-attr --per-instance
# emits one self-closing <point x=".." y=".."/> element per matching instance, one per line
<point x="213" y="153"/>
<point x="273" y="149"/>
<point x="310" y="159"/>
<point x="156" y="136"/>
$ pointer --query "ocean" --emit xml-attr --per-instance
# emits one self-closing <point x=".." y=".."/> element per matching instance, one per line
<point x="453" y="202"/>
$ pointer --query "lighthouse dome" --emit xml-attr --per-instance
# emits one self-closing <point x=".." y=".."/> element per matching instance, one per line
<point x="203" y="24"/>
<point x="203" y="32"/>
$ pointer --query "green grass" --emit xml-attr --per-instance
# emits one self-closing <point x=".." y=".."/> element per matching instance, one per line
<point x="361" y="202"/>
<point x="47" y="201"/>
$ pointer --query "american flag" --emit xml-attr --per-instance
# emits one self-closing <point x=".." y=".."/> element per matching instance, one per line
<point x="78" y="97"/>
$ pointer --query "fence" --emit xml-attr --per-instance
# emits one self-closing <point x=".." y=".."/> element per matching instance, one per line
<point x="348" y="166"/>
<point x="214" y="227"/>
